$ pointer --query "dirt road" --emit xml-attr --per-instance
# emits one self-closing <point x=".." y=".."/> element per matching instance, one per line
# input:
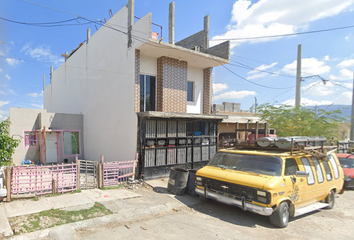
<point x="212" y="220"/>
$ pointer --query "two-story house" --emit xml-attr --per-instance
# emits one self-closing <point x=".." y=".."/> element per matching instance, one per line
<point x="141" y="96"/>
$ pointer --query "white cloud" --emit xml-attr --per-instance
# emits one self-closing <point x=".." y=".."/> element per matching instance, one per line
<point x="2" y="53"/>
<point x="346" y="63"/>
<point x="308" y="102"/>
<point x="37" y="105"/>
<point x="7" y="76"/>
<point x="257" y="72"/>
<point x="277" y="17"/>
<point x="35" y="94"/>
<point x="344" y="74"/>
<point x="309" y="66"/>
<point x="235" y="95"/>
<point x="3" y="103"/>
<point x="348" y="37"/>
<point x="42" y="53"/>
<point x="217" y="87"/>
<point x="1" y="92"/>
<point x="13" y="61"/>
<point x="0" y="70"/>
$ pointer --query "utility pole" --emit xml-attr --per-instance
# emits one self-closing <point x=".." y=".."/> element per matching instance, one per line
<point x="255" y="105"/>
<point x="298" y="78"/>
<point x="352" y="116"/>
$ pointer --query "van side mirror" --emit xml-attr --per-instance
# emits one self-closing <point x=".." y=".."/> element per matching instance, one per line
<point x="301" y="174"/>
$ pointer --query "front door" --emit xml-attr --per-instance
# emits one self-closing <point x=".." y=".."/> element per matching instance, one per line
<point x="51" y="147"/>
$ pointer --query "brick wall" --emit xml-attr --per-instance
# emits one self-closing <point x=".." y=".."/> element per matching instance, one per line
<point x="137" y="80"/>
<point x="207" y="90"/>
<point x="171" y="92"/>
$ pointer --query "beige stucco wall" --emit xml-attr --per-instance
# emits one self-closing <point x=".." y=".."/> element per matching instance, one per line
<point x="98" y="82"/>
<point x="26" y="119"/>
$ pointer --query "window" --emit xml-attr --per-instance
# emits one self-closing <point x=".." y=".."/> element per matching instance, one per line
<point x="71" y="143"/>
<point x="334" y="166"/>
<point x="328" y="170"/>
<point x="190" y="91"/>
<point x="311" y="177"/>
<point x="30" y="139"/>
<point x="290" y="167"/>
<point x="147" y="93"/>
<point x="318" y="169"/>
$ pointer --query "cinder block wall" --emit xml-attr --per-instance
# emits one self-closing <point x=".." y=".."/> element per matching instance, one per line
<point x="171" y="89"/>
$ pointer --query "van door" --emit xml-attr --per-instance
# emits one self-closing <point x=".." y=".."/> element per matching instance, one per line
<point x="294" y="193"/>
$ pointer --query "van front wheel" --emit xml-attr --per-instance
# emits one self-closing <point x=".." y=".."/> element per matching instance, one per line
<point x="280" y="216"/>
<point x="330" y="199"/>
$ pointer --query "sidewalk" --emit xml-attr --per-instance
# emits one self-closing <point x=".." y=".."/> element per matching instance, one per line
<point x="125" y="205"/>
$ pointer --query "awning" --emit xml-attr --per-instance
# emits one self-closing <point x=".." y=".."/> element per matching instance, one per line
<point x="153" y="114"/>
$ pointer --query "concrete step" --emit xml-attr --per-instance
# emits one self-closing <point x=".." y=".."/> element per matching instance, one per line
<point x="310" y="208"/>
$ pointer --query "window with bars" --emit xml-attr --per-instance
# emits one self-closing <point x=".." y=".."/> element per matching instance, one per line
<point x="71" y="143"/>
<point x="30" y="139"/>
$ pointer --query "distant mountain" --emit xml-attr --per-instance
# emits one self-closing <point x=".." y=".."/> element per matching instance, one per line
<point x="346" y="109"/>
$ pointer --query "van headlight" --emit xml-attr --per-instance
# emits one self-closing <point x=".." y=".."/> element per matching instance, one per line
<point x="262" y="196"/>
<point x="198" y="181"/>
<point x="261" y="193"/>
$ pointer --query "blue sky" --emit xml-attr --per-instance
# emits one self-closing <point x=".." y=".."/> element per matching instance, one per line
<point x="265" y="67"/>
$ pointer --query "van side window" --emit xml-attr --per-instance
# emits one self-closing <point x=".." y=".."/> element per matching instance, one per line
<point x="318" y="169"/>
<point x="328" y="170"/>
<point x="307" y="166"/>
<point x="334" y="166"/>
<point x="290" y="167"/>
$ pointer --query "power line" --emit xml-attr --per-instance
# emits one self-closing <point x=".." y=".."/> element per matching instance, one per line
<point x="48" y="24"/>
<point x="284" y="35"/>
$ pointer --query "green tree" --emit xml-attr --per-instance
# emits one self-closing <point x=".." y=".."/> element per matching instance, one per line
<point x="7" y="144"/>
<point x="290" y="121"/>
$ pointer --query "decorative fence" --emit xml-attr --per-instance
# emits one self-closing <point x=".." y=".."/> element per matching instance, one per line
<point x="24" y="181"/>
<point x="116" y="172"/>
<point x="40" y="180"/>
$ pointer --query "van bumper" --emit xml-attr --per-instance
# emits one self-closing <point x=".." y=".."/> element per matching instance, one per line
<point x="264" y="211"/>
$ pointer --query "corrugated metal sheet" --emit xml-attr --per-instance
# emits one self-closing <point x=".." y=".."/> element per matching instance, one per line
<point x="171" y="156"/>
<point x="161" y="129"/>
<point x="160" y="157"/>
<point x="205" y="153"/>
<point x="181" y="155"/>
<point x="196" y="154"/>
<point x="149" y="157"/>
<point x="182" y="129"/>
<point x="150" y="131"/>
<point x="172" y="129"/>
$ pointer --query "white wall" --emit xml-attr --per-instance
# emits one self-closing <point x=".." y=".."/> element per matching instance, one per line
<point x="196" y="75"/>
<point x="98" y="82"/>
<point x="148" y="65"/>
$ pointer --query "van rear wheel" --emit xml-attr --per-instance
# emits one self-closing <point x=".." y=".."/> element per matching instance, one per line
<point x="330" y="199"/>
<point x="280" y="216"/>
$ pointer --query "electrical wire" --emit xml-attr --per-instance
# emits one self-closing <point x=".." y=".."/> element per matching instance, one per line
<point x="284" y="35"/>
<point x="47" y="24"/>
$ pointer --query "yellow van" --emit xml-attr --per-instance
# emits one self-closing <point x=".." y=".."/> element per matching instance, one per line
<point x="274" y="182"/>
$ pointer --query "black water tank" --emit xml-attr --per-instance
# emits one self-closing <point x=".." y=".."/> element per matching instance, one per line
<point x="177" y="181"/>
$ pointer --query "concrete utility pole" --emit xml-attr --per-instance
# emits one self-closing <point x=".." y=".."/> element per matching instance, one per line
<point x="298" y="78"/>
<point x="352" y="117"/>
<point x="171" y="23"/>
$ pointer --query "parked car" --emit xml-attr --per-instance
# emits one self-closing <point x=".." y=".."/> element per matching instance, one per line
<point x="347" y="162"/>
<point x="274" y="182"/>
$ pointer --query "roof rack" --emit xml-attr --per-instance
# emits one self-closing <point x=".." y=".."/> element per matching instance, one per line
<point x="310" y="145"/>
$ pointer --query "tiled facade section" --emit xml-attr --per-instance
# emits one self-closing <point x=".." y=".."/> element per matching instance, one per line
<point x="137" y="80"/>
<point x="207" y="90"/>
<point x="171" y="92"/>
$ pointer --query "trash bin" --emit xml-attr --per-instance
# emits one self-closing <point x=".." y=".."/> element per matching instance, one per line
<point x="177" y="181"/>
<point x="190" y="190"/>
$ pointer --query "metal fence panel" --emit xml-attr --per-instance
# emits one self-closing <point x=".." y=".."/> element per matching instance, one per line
<point x="38" y="180"/>
<point x="116" y="172"/>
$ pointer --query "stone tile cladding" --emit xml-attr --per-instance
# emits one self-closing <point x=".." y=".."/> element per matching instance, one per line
<point x="171" y="85"/>
<point x="137" y="80"/>
<point x="207" y="90"/>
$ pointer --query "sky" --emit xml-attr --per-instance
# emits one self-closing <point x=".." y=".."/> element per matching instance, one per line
<point x="264" y="36"/>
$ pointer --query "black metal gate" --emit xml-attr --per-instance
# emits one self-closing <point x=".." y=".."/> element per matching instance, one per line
<point x="166" y="143"/>
<point x="87" y="174"/>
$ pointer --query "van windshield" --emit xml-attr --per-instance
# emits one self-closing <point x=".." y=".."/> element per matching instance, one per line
<point x="267" y="165"/>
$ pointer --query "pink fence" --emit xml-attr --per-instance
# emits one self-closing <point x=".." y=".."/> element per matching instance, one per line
<point x="116" y="172"/>
<point x="39" y="180"/>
